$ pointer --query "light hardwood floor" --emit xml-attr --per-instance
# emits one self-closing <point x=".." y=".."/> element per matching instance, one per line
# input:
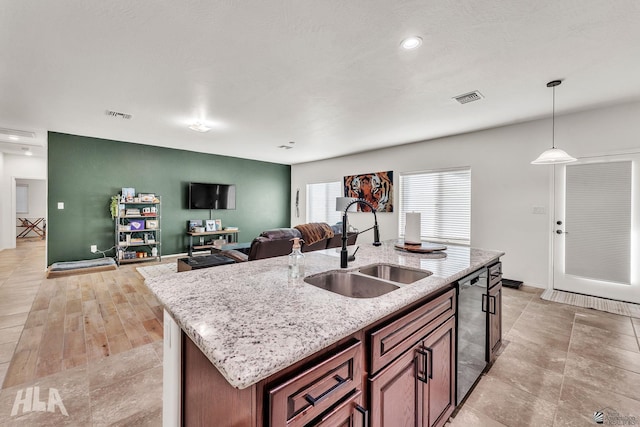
<point x="96" y="340"/>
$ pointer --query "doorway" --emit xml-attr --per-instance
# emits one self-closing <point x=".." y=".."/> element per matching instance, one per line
<point x="30" y="208"/>
<point x="596" y="227"/>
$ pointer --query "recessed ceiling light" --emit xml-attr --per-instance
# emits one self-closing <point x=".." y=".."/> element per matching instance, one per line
<point x="411" y="43"/>
<point x="27" y="152"/>
<point x="14" y="137"/>
<point x="199" y="127"/>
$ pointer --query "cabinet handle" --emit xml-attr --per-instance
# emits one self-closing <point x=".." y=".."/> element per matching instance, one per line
<point x="424" y="352"/>
<point x="430" y="352"/>
<point x="492" y="298"/>
<point x="484" y="303"/>
<point x="314" y="400"/>
<point x="365" y="415"/>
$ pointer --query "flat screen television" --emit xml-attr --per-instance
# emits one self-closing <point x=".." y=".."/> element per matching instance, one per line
<point x="212" y="196"/>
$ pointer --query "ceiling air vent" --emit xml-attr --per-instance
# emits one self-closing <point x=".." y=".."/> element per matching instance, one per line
<point x="468" y="97"/>
<point x="118" y="115"/>
<point x="16" y="132"/>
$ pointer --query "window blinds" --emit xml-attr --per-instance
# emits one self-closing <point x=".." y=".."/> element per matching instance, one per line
<point x="321" y="202"/>
<point x="443" y="199"/>
<point x="598" y="221"/>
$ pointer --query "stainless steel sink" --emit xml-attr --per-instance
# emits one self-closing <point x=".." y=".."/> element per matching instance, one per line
<point x="394" y="273"/>
<point x="350" y="284"/>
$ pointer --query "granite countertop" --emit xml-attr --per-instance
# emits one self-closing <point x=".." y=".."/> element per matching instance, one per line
<point x="251" y="320"/>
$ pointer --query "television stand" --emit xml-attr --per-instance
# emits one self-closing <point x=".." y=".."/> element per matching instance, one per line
<point x="231" y="235"/>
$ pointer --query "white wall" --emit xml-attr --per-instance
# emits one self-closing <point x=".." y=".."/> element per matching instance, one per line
<point x="5" y="205"/>
<point x="15" y="167"/>
<point x="505" y="186"/>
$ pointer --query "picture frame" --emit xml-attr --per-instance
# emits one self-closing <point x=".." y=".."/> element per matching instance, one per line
<point x="210" y="225"/>
<point x="151" y="224"/>
<point x="136" y="224"/>
<point x="218" y="224"/>
<point x="146" y="197"/>
<point x="193" y="223"/>
<point x="376" y="188"/>
<point x="128" y="193"/>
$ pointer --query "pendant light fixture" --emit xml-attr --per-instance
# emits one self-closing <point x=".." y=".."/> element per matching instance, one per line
<point x="553" y="155"/>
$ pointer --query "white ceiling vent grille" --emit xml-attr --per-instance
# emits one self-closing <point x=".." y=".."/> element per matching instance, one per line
<point x="118" y="115"/>
<point x="468" y="97"/>
<point x="16" y="132"/>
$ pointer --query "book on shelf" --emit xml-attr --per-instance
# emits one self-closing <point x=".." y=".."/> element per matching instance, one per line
<point x="231" y="228"/>
<point x="133" y="212"/>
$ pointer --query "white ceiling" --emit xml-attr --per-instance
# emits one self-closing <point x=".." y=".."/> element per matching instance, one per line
<point x="327" y="74"/>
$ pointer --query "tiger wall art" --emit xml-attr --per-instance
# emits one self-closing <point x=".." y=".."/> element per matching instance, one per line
<point x="376" y="188"/>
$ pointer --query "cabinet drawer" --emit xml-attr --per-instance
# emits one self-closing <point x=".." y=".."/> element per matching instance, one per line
<point x="349" y="413"/>
<point x="392" y="340"/>
<point x="495" y="274"/>
<point x="307" y="395"/>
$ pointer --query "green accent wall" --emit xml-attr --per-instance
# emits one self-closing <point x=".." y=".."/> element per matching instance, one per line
<point x="85" y="172"/>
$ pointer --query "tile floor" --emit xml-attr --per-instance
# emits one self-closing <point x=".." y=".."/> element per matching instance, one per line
<point x="86" y="351"/>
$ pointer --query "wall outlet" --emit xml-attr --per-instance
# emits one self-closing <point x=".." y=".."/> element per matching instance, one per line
<point x="539" y="210"/>
<point x="94" y="248"/>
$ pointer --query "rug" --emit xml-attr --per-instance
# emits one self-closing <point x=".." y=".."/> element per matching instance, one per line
<point x="602" y="304"/>
<point x="158" y="270"/>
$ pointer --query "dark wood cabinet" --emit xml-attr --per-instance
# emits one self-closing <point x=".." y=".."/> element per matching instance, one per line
<point x="494" y="330"/>
<point x="396" y="393"/>
<point x="418" y="388"/>
<point x="494" y="311"/>
<point x="440" y="383"/>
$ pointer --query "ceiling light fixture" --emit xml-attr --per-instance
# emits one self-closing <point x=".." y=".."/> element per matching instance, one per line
<point x="199" y="127"/>
<point x="553" y="156"/>
<point x="410" y="43"/>
<point x="27" y="152"/>
<point x="14" y="137"/>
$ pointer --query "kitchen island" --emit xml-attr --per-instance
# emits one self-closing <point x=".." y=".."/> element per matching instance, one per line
<point x="257" y="329"/>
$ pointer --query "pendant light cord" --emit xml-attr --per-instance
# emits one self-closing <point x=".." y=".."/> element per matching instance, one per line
<point x="553" y="120"/>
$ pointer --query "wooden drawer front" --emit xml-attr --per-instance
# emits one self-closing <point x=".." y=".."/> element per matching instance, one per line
<point x="495" y="274"/>
<point x="392" y="340"/>
<point x="306" y="396"/>
<point x="349" y="413"/>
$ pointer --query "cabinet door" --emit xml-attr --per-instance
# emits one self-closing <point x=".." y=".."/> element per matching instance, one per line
<point x="495" y="320"/>
<point x="348" y="414"/>
<point x="440" y="385"/>
<point x="396" y="392"/>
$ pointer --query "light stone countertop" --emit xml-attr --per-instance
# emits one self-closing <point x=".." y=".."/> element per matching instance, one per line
<point x="251" y="320"/>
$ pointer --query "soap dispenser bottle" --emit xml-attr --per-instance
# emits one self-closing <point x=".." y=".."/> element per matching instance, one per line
<point x="296" y="260"/>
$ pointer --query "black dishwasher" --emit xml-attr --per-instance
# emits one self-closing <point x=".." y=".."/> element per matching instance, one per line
<point x="472" y="331"/>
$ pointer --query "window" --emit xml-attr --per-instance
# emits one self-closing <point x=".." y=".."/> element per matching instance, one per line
<point x="321" y="202"/>
<point x="443" y="199"/>
<point x="22" y="198"/>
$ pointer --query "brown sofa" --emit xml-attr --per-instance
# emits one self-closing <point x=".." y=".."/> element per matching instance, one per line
<point x="277" y="241"/>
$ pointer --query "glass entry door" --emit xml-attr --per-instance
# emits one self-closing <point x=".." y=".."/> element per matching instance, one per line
<point x="596" y="228"/>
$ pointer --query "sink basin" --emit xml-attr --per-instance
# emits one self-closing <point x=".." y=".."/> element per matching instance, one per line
<point x="394" y="273"/>
<point x="351" y="285"/>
